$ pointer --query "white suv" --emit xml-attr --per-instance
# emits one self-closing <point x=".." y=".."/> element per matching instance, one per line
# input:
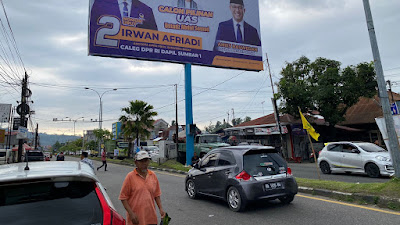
<point x="357" y="157"/>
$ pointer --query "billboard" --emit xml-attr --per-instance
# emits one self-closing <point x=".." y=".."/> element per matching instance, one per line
<point x="223" y="33"/>
<point x="116" y="130"/>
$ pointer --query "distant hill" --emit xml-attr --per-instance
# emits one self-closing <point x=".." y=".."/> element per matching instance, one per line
<point x="51" y="139"/>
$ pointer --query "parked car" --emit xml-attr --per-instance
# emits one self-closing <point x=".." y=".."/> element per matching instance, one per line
<point x="355" y="157"/>
<point x="54" y="193"/>
<point x="34" y="155"/>
<point x="242" y="174"/>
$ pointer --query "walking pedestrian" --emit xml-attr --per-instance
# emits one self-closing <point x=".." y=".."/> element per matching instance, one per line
<point x="139" y="192"/>
<point x="104" y="160"/>
<point x="85" y="159"/>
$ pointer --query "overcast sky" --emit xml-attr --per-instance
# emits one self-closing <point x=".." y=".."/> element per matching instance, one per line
<point x="52" y="40"/>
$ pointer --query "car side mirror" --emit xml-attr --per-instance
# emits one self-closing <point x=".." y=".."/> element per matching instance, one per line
<point x="355" y="151"/>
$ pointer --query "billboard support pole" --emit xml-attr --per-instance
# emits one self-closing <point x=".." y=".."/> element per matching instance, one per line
<point x="189" y="113"/>
<point x="383" y="95"/>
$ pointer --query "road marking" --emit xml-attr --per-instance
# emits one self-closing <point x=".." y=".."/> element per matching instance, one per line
<point x="166" y="173"/>
<point x="347" y="204"/>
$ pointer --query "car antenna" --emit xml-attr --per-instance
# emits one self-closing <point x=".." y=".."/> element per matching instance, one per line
<point x="26" y="158"/>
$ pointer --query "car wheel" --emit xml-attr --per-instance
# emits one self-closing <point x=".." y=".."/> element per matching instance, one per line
<point x="286" y="199"/>
<point x="236" y="202"/>
<point x="191" y="189"/>
<point x="372" y="170"/>
<point x="325" y="168"/>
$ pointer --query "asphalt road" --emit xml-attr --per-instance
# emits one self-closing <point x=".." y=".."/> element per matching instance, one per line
<point x="305" y="209"/>
<point x="309" y="170"/>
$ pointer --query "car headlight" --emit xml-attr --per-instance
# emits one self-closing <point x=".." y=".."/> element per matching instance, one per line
<point x="383" y="158"/>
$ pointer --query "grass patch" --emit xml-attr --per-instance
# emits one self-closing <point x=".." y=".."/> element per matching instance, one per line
<point x="389" y="189"/>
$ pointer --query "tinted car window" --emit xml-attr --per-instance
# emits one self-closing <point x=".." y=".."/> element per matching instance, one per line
<point x="348" y="148"/>
<point x="35" y="153"/>
<point x="209" y="161"/>
<point x="50" y="203"/>
<point x="263" y="164"/>
<point x="2" y="154"/>
<point x="335" y="148"/>
<point x="226" y="159"/>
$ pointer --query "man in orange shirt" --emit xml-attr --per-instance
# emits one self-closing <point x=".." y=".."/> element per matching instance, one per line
<point x="139" y="191"/>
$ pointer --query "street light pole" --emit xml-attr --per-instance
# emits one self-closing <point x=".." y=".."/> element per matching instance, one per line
<point x="101" y="104"/>
<point x="100" y="111"/>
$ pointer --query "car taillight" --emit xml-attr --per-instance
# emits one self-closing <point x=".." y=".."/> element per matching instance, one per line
<point x="243" y="176"/>
<point x="110" y="217"/>
<point x="289" y="171"/>
<point x="319" y="153"/>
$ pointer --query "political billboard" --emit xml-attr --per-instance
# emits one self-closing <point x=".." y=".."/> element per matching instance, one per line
<point x="217" y="33"/>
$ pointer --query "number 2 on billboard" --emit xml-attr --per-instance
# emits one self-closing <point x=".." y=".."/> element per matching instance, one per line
<point x="105" y="30"/>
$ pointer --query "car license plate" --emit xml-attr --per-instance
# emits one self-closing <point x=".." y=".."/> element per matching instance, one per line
<point x="274" y="185"/>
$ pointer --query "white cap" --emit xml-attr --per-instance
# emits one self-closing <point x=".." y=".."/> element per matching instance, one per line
<point x="142" y="155"/>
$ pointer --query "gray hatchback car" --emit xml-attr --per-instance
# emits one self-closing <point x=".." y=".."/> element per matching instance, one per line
<point x="242" y="174"/>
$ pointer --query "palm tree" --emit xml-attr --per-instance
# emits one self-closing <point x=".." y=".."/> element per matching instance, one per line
<point x="137" y="121"/>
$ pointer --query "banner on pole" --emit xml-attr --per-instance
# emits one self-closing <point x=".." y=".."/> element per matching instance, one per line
<point x="223" y="33"/>
<point x="5" y="111"/>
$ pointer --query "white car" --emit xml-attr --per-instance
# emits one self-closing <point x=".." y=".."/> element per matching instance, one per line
<point x="54" y="193"/>
<point x="355" y="157"/>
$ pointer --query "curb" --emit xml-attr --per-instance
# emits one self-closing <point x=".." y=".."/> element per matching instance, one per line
<point x="381" y="201"/>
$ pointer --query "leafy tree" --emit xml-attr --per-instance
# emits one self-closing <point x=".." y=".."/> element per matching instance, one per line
<point x="137" y="121"/>
<point x="91" y="145"/>
<point x="173" y="123"/>
<point x="247" y="119"/>
<point x="236" y="121"/>
<point x="323" y="86"/>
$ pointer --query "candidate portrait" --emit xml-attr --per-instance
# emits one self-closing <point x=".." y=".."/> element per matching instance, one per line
<point x="130" y="12"/>
<point x="236" y="29"/>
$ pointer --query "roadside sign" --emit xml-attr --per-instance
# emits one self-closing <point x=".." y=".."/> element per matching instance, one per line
<point x="22" y="133"/>
<point x="393" y="107"/>
<point x="5" y="110"/>
<point x="17" y="122"/>
<point x="123" y="144"/>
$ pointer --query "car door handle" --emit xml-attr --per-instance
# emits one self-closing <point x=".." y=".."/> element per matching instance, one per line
<point x="210" y="174"/>
<point x="227" y="173"/>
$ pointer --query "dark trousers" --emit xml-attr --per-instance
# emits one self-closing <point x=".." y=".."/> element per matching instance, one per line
<point x="104" y="164"/>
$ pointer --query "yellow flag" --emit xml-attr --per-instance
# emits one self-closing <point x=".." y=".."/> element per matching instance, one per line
<point x="307" y="126"/>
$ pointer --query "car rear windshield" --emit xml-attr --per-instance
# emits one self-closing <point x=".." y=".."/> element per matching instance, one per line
<point x="50" y="203"/>
<point x="35" y="153"/>
<point x="263" y="164"/>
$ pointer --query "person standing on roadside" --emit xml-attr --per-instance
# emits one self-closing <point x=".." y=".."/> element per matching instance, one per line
<point x="139" y="192"/>
<point x="104" y="160"/>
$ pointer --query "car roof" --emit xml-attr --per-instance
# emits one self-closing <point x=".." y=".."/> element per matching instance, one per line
<point x="56" y="170"/>
<point x="349" y="142"/>
<point x="242" y="149"/>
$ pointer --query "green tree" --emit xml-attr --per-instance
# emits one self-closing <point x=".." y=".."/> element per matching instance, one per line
<point x="323" y="86"/>
<point x="247" y="119"/>
<point x="236" y="121"/>
<point x="137" y="121"/>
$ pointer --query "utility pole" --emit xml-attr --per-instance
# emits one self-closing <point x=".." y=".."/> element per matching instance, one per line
<point x="390" y="89"/>
<point x="228" y="117"/>
<point x="276" y="111"/>
<point x="37" y="136"/>
<point x="393" y="141"/>
<point x="22" y="114"/>
<point x="176" y="117"/>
